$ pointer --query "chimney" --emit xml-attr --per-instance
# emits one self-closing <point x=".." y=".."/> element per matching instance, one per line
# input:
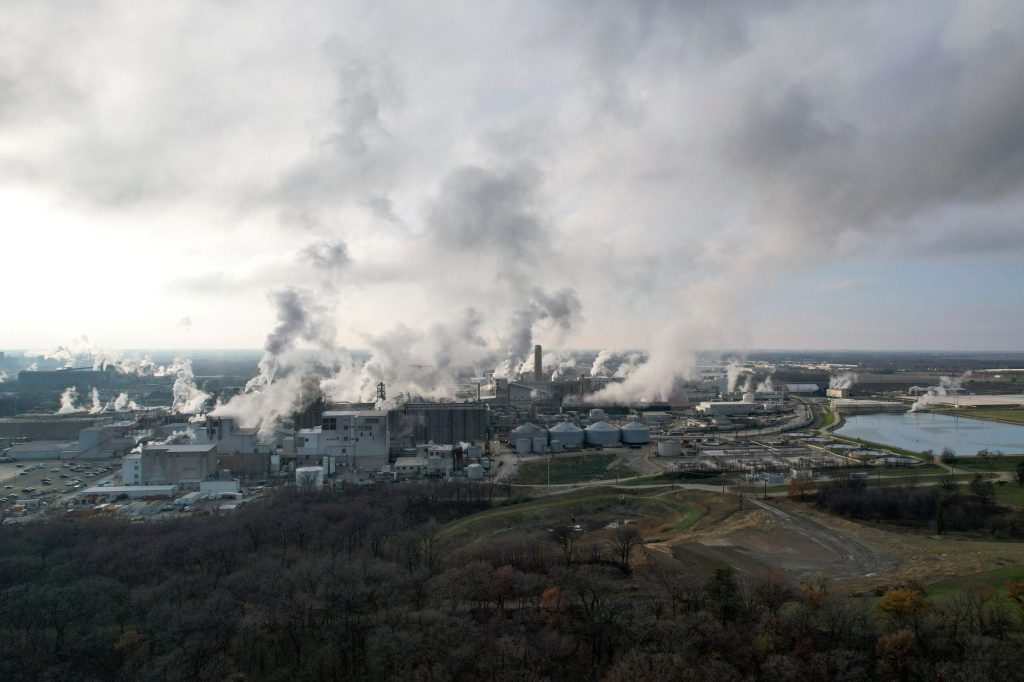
<point x="538" y="369"/>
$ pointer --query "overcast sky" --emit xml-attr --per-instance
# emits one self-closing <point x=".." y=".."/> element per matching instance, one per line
<point x="731" y="173"/>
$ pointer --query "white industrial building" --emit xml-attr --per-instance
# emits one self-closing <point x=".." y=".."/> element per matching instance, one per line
<point x="731" y="408"/>
<point x="131" y="470"/>
<point x="357" y="439"/>
<point x="410" y="467"/>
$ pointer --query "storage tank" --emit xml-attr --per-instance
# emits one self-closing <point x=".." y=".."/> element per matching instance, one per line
<point x="528" y="430"/>
<point x="570" y="435"/>
<point x="602" y="433"/>
<point x="474" y="472"/>
<point x="635" y="433"/>
<point x="540" y="444"/>
<point x="596" y="414"/>
<point x="668" y="448"/>
<point x="309" y="476"/>
<point x="556" y="446"/>
<point x="523" y="446"/>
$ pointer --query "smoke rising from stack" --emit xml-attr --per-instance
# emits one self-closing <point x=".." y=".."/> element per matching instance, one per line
<point x="846" y="380"/>
<point x="187" y="398"/>
<point x="67" y="401"/>
<point x="946" y="387"/>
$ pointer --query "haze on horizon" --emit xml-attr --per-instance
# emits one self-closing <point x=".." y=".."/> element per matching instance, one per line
<point x="650" y="175"/>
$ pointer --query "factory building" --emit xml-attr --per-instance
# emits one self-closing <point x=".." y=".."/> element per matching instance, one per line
<point x="106" y="441"/>
<point x="851" y="406"/>
<point x="803" y="389"/>
<point x="42" y="449"/>
<point x="131" y="470"/>
<point x="729" y="408"/>
<point x="186" y="465"/>
<point x="357" y="439"/>
<point x="239" y="449"/>
<point x="415" y="423"/>
<point x="602" y="433"/>
<point x="568" y="434"/>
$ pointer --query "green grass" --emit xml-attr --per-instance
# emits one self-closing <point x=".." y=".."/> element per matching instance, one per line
<point x="1009" y="414"/>
<point x="565" y="470"/>
<point x="994" y="580"/>
<point x="1011" y="494"/>
<point x="825" y="420"/>
<point x="1004" y="463"/>
<point x="553" y="510"/>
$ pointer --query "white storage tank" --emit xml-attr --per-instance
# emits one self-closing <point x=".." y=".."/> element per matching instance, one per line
<point x="668" y="448"/>
<point x="309" y="476"/>
<point x="474" y="472"/>
<point x="523" y="446"/>
<point x="570" y="435"/>
<point x="540" y="444"/>
<point x="635" y="433"/>
<point x="596" y="414"/>
<point x="602" y="433"/>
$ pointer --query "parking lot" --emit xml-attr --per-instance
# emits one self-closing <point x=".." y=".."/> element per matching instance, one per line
<point x="52" y="481"/>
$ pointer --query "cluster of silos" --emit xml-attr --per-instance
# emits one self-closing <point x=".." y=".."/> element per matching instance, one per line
<point x="527" y="438"/>
<point x="565" y="435"/>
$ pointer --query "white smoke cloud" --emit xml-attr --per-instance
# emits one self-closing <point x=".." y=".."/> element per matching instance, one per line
<point x="844" y="380"/>
<point x="123" y="404"/>
<point x="733" y="371"/>
<point x="97" y="406"/>
<point x="67" y="401"/>
<point x="187" y="397"/>
<point x="946" y="387"/>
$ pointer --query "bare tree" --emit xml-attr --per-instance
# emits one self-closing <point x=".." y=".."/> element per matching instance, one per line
<point x="625" y="540"/>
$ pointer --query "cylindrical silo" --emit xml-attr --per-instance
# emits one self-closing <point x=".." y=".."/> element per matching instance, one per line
<point x="602" y="433"/>
<point x="570" y="435"/>
<point x="523" y="446"/>
<point x="540" y="444"/>
<point x="635" y="433"/>
<point x="474" y="472"/>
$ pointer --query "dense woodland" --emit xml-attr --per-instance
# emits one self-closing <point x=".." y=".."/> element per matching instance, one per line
<point x="941" y="509"/>
<point x="365" y="585"/>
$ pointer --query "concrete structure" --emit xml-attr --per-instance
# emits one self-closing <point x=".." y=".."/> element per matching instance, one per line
<point x="635" y="433"/>
<point x="106" y="441"/>
<point x="230" y="485"/>
<point x="474" y="472"/>
<point x="437" y="422"/>
<point x="539" y="445"/>
<point x="410" y="467"/>
<point x="602" y="433"/>
<point x="803" y="389"/>
<point x="538" y="367"/>
<point x="838" y="393"/>
<point x="131" y="470"/>
<point x="356" y="439"/>
<point x="523" y="446"/>
<point x="149" y="492"/>
<point x="596" y="414"/>
<point x="851" y="406"/>
<point x="728" y="408"/>
<point x="668" y="448"/>
<point x="190" y="464"/>
<point x="42" y="449"/>
<point x="568" y="434"/>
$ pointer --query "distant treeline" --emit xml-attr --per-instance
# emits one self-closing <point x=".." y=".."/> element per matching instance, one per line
<point x="365" y="585"/>
<point x="940" y="508"/>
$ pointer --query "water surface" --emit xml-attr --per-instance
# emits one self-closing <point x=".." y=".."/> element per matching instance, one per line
<point x="928" y="431"/>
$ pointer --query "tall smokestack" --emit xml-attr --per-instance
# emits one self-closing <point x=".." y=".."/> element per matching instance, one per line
<point x="538" y="369"/>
